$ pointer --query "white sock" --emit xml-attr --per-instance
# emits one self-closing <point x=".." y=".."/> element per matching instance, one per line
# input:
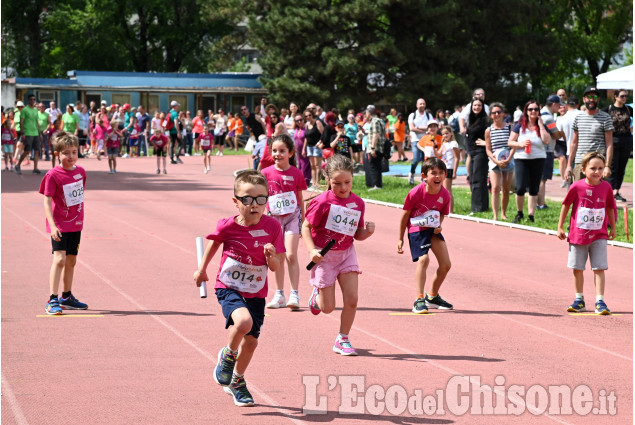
<point x="235" y="352"/>
<point x="599" y="298"/>
<point x="294" y="291"/>
<point x="280" y="292"/>
<point x="342" y="336"/>
<point x="579" y="295"/>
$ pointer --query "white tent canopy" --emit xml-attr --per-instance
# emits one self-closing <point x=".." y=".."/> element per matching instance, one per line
<point x="621" y="78"/>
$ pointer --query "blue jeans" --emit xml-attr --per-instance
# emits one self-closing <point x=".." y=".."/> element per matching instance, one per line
<point x="189" y="143"/>
<point x="417" y="157"/>
<point x="142" y="145"/>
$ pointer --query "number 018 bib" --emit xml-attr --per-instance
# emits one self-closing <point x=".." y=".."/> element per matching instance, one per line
<point x="590" y="218"/>
<point x="282" y="203"/>
<point x="74" y="193"/>
<point x="243" y="277"/>
<point x="343" y="220"/>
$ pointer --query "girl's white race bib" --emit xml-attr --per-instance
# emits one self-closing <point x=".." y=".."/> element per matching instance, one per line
<point x="343" y="220"/>
<point x="590" y="218"/>
<point x="74" y="193"/>
<point x="282" y="203"/>
<point x="243" y="277"/>
<point x="205" y="142"/>
<point x="430" y="218"/>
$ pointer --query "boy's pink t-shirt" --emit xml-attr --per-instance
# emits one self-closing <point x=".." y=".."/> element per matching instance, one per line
<point x="280" y="183"/>
<point x="588" y="211"/>
<point x="66" y="187"/>
<point x="335" y="218"/>
<point x="206" y="141"/>
<point x="243" y="265"/>
<point x="135" y="131"/>
<point x="113" y="139"/>
<point x="160" y="141"/>
<point x="419" y="202"/>
<point x="7" y="136"/>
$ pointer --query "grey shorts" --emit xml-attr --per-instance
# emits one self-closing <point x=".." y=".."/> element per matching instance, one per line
<point x="595" y="251"/>
<point x="31" y="142"/>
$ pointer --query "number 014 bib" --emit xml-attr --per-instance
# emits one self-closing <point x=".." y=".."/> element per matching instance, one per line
<point x="243" y="277"/>
<point x="343" y="220"/>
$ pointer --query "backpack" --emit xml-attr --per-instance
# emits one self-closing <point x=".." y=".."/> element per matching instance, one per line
<point x="454" y="124"/>
<point x="167" y="123"/>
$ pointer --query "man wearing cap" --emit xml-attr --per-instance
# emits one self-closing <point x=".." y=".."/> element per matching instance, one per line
<point x="547" y="114"/>
<point x="175" y="134"/>
<point x="374" y="149"/>
<point x="592" y="132"/>
<point x="30" y="126"/>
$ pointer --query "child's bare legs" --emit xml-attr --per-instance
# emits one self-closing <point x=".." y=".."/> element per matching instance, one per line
<point x="164" y="162"/>
<point x="495" y="179"/>
<point x="240" y="341"/>
<point x="291" y="243"/>
<point x="348" y="283"/>
<point x="578" y="281"/>
<point x="159" y="162"/>
<point x="507" y="184"/>
<point x="598" y="276"/>
<point x="440" y="251"/>
<point x="420" y="273"/>
<point x="63" y="267"/>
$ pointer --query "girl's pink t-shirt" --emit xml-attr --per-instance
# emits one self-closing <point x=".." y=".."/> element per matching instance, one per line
<point x="7" y="136"/>
<point x="100" y="132"/>
<point x="66" y="187"/>
<point x="419" y="202"/>
<point x="113" y="138"/>
<point x="281" y="182"/>
<point x="335" y="218"/>
<point x="206" y="141"/>
<point x="243" y="265"/>
<point x="160" y="141"/>
<point x="589" y="221"/>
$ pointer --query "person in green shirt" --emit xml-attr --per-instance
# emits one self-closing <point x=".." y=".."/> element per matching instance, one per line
<point x="30" y="127"/>
<point x="19" y="148"/>
<point x="44" y="119"/>
<point x="70" y="120"/>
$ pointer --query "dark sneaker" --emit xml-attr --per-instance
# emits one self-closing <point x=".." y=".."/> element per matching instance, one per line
<point x="531" y="218"/>
<point x="577" y="306"/>
<point x="179" y="160"/>
<point x="72" y="303"/>
<point x="543" y="207"/>
<point x="519" y="217"/>
<point x="36" y="171"/>
<point x="173" y="161"/>
<point x="438" y="302"/>
<point x="313" y="305"/>
<point x="238" y="389"/>
<point x="601" y="308"/>
<point x="53" y="307"/>
<point x="18" y="170"/>
<point x="619" y="198"/>
<point x="225" y="367"/>
<point x="420" y="306"/>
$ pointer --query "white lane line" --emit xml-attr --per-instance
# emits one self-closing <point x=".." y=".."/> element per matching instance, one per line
<point x="13" y="402"/>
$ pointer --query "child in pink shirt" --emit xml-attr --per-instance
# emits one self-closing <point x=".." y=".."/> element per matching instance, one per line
<point x="100" y="131"/>
<point x="252" y="243"/>
<point x="63" y="190"/>
<point x="160" y="143"/>
<point x="206" y="139"/>
<point x="336" y="214"/>
<point x="425" y="207"/>
<point x="7" y="145"/>
<point x="112" y="146"/>
<point x="593" y="210"/>
<point x="286" y="183"/>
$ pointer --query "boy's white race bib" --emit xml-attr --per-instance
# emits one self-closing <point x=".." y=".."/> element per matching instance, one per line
<point x="282" y="203"/>
<point x="205" y="142"/>
<point x="243" y="277"/>
<point x="74" y="193"/>
<point x="430" y="218"/>
<point x="590" y="218"/>
<point x="343" y="220"/>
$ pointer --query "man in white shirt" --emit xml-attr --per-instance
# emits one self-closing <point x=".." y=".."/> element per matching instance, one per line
<point x="418" y="124"/>
<point x="53" y="112"/>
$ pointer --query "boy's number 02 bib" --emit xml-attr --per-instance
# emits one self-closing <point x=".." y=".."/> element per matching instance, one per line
<point x="343" y="220"/>
<point x="282" y="203"/>
<point x="243" y="277"/>
<point x="590" y="218"/>
<point x="430" y="218"/>
<point x="74" y="193"/>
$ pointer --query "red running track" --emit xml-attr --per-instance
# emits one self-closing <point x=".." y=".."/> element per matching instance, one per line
<point x="144" y="351"/>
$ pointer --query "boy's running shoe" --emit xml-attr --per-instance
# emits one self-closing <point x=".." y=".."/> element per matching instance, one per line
<point x="278" y="301"/>
<point x="294" y="301"/>
<point x="420" y="307"/>
<point x="343" y="346"/>
<point x="601" y="308"/>
<point x="225" y="367"/>
<point x="438" y="302"/>
<point x="53" y="307"/>
<point x="238" y="389"/>
<point x="72" y="303"/>
<point x="577" y="306"/>
<point x="313" y="305"/>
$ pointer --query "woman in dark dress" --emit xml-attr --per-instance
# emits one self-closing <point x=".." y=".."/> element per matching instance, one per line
<point x="477" y="124"/>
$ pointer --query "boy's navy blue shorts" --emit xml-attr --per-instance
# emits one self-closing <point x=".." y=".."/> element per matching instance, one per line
<point x="68" y="243"/>
<point x="230" y="300"/>
<point x="420" y="242"/>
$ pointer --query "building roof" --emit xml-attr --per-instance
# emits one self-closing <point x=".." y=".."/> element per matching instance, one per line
<point x="148" y="81"/>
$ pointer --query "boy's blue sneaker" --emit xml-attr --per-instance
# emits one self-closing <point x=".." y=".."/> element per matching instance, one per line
<point x="225" y="367"/>
<point x="601" y="308"/>
<point x="238" y="389"/>
<point x="438" y="302"/>
<point x="72" y="303"/>
<point x="420" y="307"/>
<point x="577" y="306"/>
<point x="53" y="307"/>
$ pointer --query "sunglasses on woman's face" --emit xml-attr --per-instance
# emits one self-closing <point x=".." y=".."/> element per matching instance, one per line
<point x="298" y="120"/>
<point x="533" y="109"/>
<point x="497" y="112"/>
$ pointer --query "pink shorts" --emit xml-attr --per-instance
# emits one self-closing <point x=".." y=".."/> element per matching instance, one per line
<point x="334" y="264"/>
<point x="290" y="223"/>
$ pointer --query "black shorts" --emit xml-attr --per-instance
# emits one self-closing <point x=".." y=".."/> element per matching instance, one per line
<point x="356" y="148"/>
<point x="230" y="300"/>
<point x="547" y="171"/>
<point x="421" y="241"/>
<point x="560" y="149"/>
<point x="219" y="140"/>
<point x="160" y="152"/>
<point x="68" y="243"/>
<point x="449" y="173"/>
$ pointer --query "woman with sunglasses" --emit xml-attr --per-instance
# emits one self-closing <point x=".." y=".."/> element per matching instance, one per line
<point x="622" y="116"/>
<point x="313" y="133"/>
<point x="529" y="138"/>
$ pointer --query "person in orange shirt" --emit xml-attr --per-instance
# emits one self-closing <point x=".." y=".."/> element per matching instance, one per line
<point x="238" y="130"/>
<point x="400" y="137"/>
<point x="431" y="142"/>
<point x="231" y="131"/>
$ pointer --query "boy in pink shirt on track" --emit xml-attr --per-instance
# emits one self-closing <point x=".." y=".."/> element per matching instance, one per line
<point x="425" y="207"/>
<point x="63" y="190"/>
<point x="593" y="210"/>
<point x="252" y="243"/>
<point x="160" y="143"/>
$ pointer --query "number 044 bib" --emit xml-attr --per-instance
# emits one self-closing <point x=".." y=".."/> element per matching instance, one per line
<point x="243" y="277"/>
<point x="590" y="218"/>
<point x="343" y="220"/>
<point x="74" y="193"/>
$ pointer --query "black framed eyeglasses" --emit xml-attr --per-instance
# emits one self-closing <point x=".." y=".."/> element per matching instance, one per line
<point x="249" y="200"/>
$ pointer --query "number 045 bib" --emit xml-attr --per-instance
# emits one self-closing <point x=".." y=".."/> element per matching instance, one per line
<point x="343" y="220"/>
<point x="590" y="218"/>
<point x="243" y="277"/>
<point x="430" y="218"/>
<point x="74" y="193"/>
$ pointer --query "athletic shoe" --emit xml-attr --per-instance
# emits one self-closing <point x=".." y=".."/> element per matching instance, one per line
<point x="221" y="154"/>
<point x="519" y="217"/>
<point x="18" y="170"/>
<point x="343" y="346"/>
<point x="564" y="184"/>
<point x="238" y="389"/>
<point x="72" y="303"/>
<point x="313" y="305"/>
<point x="158" y="171"/>
<point x="178" y="159"/>
<point x="209" y="168"/>
<point x="36" y="171"/>
<point x="601" y="308"/>
<point x="420" y="307"/>
<point x="531" y="218"/>
<point x="438" y="302"/>
<point x="187" y="154"/>
<point x="543" y="207"/>
<point x="619" y="198"/>
<point x="173" y="161"/>
<point x="126" y="155"/>
<point x="205" y="170"/>
<point x="411" y="180"/>
<point x="374" y="188"/>
<point x="165" y="171"/>
<point x="294" y="301"/>
<point x="110" y="172"/>
<point x="225" y="367"/>
<point x="53" y="307"/>
<point x="577" y="306"/>
<point x="277" y="301"/>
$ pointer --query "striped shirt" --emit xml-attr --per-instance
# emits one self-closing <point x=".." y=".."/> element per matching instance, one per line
<point x="591" y="130"/>
<point x="499" y="137"/>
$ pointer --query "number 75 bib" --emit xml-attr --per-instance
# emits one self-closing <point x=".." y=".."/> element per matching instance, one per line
<point x="243" y="277"/>
<point x="343" y="220"/>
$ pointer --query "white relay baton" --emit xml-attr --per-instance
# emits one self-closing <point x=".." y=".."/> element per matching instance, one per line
<point x="199" y="256"/>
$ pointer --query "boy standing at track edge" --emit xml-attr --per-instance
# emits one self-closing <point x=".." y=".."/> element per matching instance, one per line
<point x="251" y="244"/>
<point x="63" y="190"/>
